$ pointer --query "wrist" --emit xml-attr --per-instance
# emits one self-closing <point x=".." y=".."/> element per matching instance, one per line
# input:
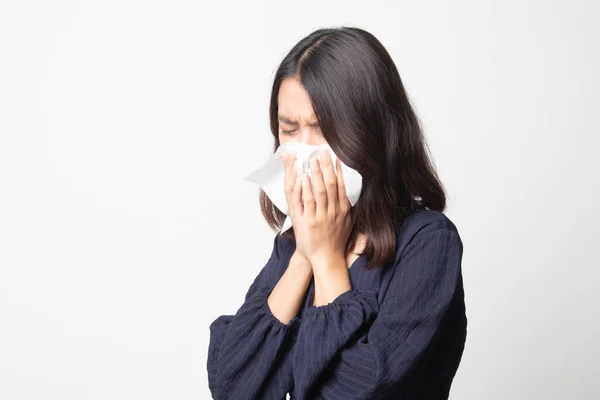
<point x="298" y="261"/>
<point x="328" y="261"/>
<point x="331" y="278"/>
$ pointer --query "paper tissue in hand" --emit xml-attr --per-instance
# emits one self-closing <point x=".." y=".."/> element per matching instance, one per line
<point x="270" y="175"/>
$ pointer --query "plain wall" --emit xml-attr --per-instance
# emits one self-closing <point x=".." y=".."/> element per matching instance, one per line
<point x="126" y="128"/>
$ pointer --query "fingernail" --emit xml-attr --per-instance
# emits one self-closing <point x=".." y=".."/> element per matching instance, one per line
<point x="315" y="162"/>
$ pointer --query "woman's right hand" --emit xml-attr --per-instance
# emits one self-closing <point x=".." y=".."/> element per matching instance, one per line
<point x="293" y="190"/>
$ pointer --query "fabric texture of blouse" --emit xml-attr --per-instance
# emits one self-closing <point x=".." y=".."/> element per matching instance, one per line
<point x="399" y="333"/>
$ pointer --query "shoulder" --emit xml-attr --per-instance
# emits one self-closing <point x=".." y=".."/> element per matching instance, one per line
<point x="427" y="272"/>
<point x="421" y="220"/>
<point x="427" y="225"/>
<point x="430" y="219"/>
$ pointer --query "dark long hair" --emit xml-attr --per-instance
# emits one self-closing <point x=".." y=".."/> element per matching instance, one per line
<point x="366" y="117"/>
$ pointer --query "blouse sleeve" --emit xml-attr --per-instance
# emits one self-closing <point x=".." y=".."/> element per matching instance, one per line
<point x="354" y="348"/>
<point x="247" y="351"/>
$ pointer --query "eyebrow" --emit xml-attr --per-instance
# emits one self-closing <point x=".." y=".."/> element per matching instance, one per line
<point x="286" y="120"/>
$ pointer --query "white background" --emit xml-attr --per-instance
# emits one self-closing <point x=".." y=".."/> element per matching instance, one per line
<point x="126" y="128"/>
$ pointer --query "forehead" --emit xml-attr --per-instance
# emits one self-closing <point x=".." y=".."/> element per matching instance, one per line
<point x="293" y="101"/>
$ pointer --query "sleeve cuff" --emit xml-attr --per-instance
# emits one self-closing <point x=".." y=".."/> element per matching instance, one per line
<point x="351" y="298"/>
<point x="272" y="319"/>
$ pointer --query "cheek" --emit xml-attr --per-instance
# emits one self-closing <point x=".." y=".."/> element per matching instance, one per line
<point x="320" y="140"/>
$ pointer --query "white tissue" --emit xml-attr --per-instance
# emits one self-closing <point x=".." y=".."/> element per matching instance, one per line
<point x="270" y="175"/>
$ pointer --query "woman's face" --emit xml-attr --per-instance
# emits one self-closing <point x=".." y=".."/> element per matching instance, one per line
<point x="297" y="121"/>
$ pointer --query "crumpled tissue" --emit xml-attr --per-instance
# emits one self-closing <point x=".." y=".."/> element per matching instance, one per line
<point x="270" y="175"/>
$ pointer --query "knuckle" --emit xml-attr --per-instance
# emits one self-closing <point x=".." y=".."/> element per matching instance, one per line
<point x="331" y="184"/>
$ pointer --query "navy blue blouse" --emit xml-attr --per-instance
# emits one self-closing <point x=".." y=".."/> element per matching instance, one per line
<point x="399" y="333"/>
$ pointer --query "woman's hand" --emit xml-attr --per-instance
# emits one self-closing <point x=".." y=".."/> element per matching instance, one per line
<point x="293" y="189"/>
<point x="322" y="220"/>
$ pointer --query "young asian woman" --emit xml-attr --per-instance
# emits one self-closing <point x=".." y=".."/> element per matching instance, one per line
<point x="354" y="302"/>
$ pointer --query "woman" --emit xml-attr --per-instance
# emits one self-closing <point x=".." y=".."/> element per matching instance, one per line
<point x="362" y="302"/>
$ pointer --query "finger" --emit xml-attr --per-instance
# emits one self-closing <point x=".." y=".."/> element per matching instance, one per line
<point x="307" y="196"/>
<point x="318" y="186"/>
<point x="288" y="161"/>
<point x="341" y="187"/>
<point x="289" y="177"/>
<point x="330" y="181"/>
<point x="297" y="192"/>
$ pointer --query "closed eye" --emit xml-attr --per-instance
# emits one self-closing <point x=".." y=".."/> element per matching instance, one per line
<point x="288" y="132"/>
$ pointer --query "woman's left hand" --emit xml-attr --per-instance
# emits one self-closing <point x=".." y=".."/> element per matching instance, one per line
<point x="324" y="219"/>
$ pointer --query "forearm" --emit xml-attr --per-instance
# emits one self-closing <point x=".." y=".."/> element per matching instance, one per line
<point x="331" y="278"/>
<point x="286" y="298"/>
